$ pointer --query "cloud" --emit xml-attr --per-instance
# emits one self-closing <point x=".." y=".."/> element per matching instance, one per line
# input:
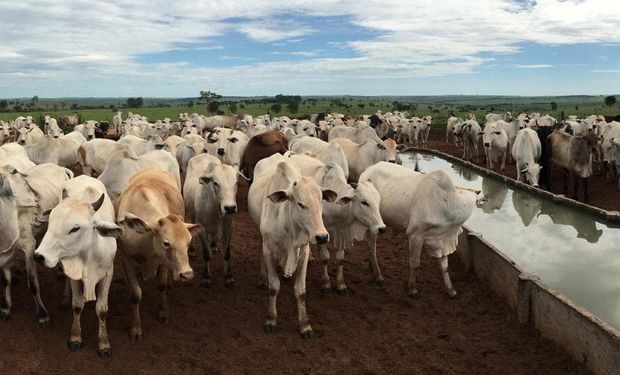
<point x="102" y="42"/>
<point x="533" y="66"/>
<point x="605" y="71"/>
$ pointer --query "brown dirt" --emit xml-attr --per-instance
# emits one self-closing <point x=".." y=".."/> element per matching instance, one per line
<point x="217" y="330"/>
<point x="603" y="193"/>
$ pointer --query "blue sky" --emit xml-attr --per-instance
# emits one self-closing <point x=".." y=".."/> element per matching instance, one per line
<point x="324" y="47"/>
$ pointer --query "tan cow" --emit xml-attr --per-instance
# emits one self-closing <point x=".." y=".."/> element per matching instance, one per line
<point x="156" y="240"/>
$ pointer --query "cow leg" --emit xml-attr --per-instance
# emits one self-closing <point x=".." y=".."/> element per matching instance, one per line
<point x="33" y="283"/>
<point x="341" y="287"/>
<point x="443" y="266"/>
<point x="5" y="301"/>
<point x="586" y="195"/>
<point x="66" y="294"/>
<point x="230" y="281"/>
<point x="135" y="332"/>
<point x="575" y="186"/>
<point x="262" y="276"/>
<point x="104" y="350"/>
<point x="207" y="254"/>
<point x="162" y="285"/>
<point x="77" y="302"/>
<point x="503" y="162"/>
<point x="371" y="241"/>
<point x="273" y="281"/>
<point x="415" y="249"/>
<point x="324" y="253"/>
<point x="300" y="294"/>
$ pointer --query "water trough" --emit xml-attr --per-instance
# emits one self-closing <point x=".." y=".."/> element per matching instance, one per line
<point x="559" y="263"/>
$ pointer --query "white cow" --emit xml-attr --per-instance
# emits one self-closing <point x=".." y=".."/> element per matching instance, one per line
<point x="123" y="165"/>
<point x="190" y="147"/>
<point x="361" y="156"/>
<point x="51" y="127"/>
<point x="469" y="131"/>
<point x="497" y="117"/>
<point x="87" y="129"/>
<point x="227" y="145"/>
<point x="450" y="128"/>
<point x="62" y="151"/>
<point x="82" y="236"/>
<point x="287" y="209"/>
<point x="428" y="207"/>
<point x="210" y="192"/>
<point x="526" y="152"/>
<point x="358" y="134"/>
<point x="323" y="151"/>
<point x="26" y="191"/>
<point x="12" y="148"/>
<point x="117" y="122"/>
<point x="140" y="145"/>
<point x="93" y="155"/>
<point x="495" y="142"/>
<point x="29" y="135"/>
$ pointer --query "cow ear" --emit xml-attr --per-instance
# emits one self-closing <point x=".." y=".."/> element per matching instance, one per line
<point x="64" y="194"/>
<point x="6" y="191"/>
<point x="329" y="195"/>
<point x="135" y="223"/>
<point x="205" y="180"/>
<point x="194" y="229"/>
<point x="278" y="197"/>
<point x="96" y="205"/>
<point x="108" y="229"/>
<point x="381" y="146"/>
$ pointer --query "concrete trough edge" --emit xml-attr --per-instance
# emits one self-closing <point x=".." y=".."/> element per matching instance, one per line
<point x="604" y="215"/>
<point x="584" y="336"/>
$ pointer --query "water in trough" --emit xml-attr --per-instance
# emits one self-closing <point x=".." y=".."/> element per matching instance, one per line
<point x="571" y="251"/>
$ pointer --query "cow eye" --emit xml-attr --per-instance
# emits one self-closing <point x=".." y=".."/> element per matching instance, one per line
<point x="365" y="203"/>
<point x="74" y="229"/>
<point x="166" y="244"/>
<point x="216" y="184"/>
<point x="301" y="205"/>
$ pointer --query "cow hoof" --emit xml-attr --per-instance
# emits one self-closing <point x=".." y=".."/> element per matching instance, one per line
<point x="74" y="345"/>
<point x="4" y="315"/>
<point x="453" y="294"/>
<point x="45" y="322"/>
<point x="164" y="318"/>
<point x="205" y="283"/>
<point x="415" y="294"/>
<point x="308" y="335"/>
<point x="380" y="283"/>
<point x="135" y="334"/>
<point x="269" y="328"/>
<point x="230" y="283"/>
<point x="104" y="353"/>
<point x="342" y="290"/>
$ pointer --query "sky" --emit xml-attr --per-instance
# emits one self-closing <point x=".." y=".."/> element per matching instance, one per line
<point x="163" y="48"/>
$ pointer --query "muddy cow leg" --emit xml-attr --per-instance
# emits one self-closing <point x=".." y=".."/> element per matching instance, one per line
<point x="135" y="332"/>
<point x="300" y="294"/>
<point x="162" y="285"/>
<point x="341" y="287"/>
<point x="33" y="284"/>
<point x="443" y="266"/>
<point x="5" y="297"/>
<point x="326" y="282"/>
<point x="371" y="242"/>
<point x="207" y="254"/>
<point x="273" y="281"/>
<point x="104" y="350"/>
<point x="415" y="249"/>
<point x="77" y="303"/>
<point x="230" y="281"/>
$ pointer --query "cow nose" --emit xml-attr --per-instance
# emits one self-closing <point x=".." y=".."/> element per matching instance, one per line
<point x="392" y="161"/>
<point x="187" y="276"/>
<point x="22" y="142"/>
<point x="230" y="209"/>
<point x="322" y="238"/>
<point x="39" y="258"/>
<point x="381" y="230"/>
<point x="90" y="136"/>
<point x="487" y="144"/>
<point x="55" y="136"/>
<point x="220" y="151"/>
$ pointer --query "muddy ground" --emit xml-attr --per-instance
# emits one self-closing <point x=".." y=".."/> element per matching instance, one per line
<point x="603" y="193"/>
<point x="219" y="331"/>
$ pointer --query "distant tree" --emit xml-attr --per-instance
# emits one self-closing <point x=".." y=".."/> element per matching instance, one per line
<point x="190" y="104"/>
<point x="276" y="107"/>
<point x="219" y="112"/>
<point x="361" y="105"/>
<point x="610" y="101"/>
<point x="293" y="107"/>
<point x="576" y="108"/>
<point x="232" y="107"/>
<point x="554" y="106"/>
<point x="63" y="105"/>
<point x="4" y="105"/>
<point x="135" y="102"/>
<point x="206" y="97"/>
<point x="55" y="105"/>
<point x="242" y="105"/>
<point x="34" y="102"/>
<point x="75" y="106"/>
<point x="213" y="107"/>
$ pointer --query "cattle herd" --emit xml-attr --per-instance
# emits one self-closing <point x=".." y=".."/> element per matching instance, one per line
<point x="537" y="143"/>
<point x="158" y="191"/>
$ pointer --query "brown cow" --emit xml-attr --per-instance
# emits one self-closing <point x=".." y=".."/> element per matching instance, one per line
<point x="262" y="146"/>
<point x="156" y="242"/>
<point x="72" y="120"/>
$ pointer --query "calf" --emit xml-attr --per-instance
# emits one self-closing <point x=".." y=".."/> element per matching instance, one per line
<point x="82" y="236"/>
<point x="156" y="238"/>
<point x="495" y="141"/>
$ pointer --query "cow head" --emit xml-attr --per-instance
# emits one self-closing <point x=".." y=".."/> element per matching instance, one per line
<point x="531" y="173"/>
<point x="365" y="206"/>
<point x="72" y="230"/>
<point x="171" y="237"/>
<point x="221" y="179"/>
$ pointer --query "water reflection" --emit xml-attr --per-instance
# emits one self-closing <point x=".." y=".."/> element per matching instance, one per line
<point x="584" y="224"/>
<point x="527" y="206"/>
<point x="465" y="173"/>
<point x="495" y="192"/>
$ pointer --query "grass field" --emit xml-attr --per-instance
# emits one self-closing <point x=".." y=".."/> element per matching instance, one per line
<point x="437" y="106"/>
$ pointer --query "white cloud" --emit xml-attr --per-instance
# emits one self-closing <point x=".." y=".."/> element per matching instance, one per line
<point x="73" y="47"/>
<point x="533" y="66"/>
<point x="605" y="71"/>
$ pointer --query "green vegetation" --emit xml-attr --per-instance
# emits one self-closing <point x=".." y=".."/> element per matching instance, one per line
<point x="439" y="107"/>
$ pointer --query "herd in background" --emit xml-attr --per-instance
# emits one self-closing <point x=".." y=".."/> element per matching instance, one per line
<point x="165" y="188"/>
<point x="537" y="143"/>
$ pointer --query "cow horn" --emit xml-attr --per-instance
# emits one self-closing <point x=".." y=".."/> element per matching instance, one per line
<point x="98" y="203"/>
